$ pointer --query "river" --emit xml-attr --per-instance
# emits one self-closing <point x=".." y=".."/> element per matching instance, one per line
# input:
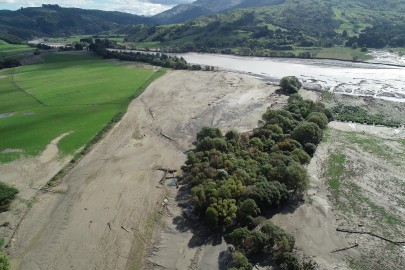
<point x="362" y="79"/>
<point x="365" y="79"/>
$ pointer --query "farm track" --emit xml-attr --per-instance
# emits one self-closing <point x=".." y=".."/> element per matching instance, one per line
<point x="22" y="90"/>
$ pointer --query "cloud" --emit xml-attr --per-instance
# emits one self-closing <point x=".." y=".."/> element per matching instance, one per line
<point x="141" y="7"/>
<point x="171" y="2"/>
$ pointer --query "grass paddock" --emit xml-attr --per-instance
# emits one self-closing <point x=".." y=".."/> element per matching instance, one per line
<point x="77" y="93"/>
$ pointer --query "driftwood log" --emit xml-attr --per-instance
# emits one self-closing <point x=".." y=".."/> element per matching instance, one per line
<point x="343" y="249"/>
<point x="151" y="113"/>
<point x="398" y="243"/>
<point x="167" y="137"/>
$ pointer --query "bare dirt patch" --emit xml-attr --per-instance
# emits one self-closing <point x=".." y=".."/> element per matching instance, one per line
<point x="4" y="115"/>
<point x="12" y="150"/>
<point x="28" y="175"/>
<point x="367" y="192"/>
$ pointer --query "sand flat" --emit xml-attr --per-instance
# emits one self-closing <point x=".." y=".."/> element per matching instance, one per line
<point x="114" y="185"/>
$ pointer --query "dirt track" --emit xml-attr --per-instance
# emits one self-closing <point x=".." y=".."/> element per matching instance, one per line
<point x="104" y="217"/>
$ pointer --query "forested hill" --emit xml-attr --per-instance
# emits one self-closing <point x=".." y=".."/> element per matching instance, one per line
<point x="286" y="25"/>
<point x="184" y="12"/>
<point x="53" y="20"/>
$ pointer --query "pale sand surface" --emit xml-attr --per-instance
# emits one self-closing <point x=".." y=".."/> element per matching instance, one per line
<point x="28" y="175"/>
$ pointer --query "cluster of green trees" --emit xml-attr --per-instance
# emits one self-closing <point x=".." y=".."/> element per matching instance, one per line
<point x="243" y="39"/>
<point x="380" y="36"/>
<point x="48" y="20"/>
<point x="9" y="63"/>
<point x="269" y="241"/>
<point x="156" y="59"/>
<point x="235" y="177"/>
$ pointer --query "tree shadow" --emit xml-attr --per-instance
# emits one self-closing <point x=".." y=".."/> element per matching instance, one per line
<point x="288" y="207"/>
<point x="224" y="258"/>
<point x="281" y="91"/>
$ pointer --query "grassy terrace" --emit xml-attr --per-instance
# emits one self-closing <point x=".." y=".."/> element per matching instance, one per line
<point x="7" y="49"/>
<point x="66" y="93"/>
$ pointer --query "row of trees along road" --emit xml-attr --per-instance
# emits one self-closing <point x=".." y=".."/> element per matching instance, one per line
<point x="238" y="176"/>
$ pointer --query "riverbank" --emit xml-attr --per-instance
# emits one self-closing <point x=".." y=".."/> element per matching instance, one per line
<point x="112" y="199"/>
<point x="118" y="176"/>
<point x="376" y="57"/>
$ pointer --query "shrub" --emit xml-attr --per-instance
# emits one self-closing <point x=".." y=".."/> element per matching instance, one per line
<point x="288" y="261"/>
<point x="239" y="261"/>
<point x="4" y="262"/>
<point x="307" y="132"/>
<point x="237" y="236"/>
<point x="209" y="132"/>
<point x="296" y="177"/>
<point x="7" y="194"/>
<point x="290" y="84"/>
<point x="318" y="118"/>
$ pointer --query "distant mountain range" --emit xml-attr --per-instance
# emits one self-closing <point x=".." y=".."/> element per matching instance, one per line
<point x="53" y="20"/>
<point x="204" y="24"/>
<point x="288" y="26"/>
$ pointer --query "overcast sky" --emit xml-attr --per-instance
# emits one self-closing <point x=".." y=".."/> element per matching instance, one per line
<point x="141" y="7"/>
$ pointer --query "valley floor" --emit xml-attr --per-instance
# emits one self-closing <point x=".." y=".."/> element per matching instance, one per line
<point x="108" y="213"/>
<point x="104" y="210"/>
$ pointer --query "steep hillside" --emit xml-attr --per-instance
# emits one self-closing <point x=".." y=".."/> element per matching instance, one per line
<point x="184" y="12"/>
<point x="53" y="20"/>
<point x="288" y="25"/>
<point x="198" y="8"/>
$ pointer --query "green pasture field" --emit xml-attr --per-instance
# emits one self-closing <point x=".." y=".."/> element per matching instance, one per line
<point x="78" y="93"/>
<point x="7" y="49"/>
<point x="344" y="53"/>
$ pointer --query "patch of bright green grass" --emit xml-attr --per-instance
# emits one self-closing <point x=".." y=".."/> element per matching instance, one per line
<point x="12" y="98"/>
<point x="335" y="172"/>
<point x="84" y="82"/>
<point x="79" y="94"/>
<point x="151" y="44"/>
<point x="372" y="145"/>
<point x="343" y="53"/>
<point x="7" y="49"/>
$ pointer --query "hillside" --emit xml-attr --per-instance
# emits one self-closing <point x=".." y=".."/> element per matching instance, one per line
<point x="53" y="20"/>
<point x="284" y="26"/>
<point x="184" y="12"/>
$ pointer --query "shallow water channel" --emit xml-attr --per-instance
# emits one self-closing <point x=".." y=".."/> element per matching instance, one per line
<point x="377" y="80"/>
